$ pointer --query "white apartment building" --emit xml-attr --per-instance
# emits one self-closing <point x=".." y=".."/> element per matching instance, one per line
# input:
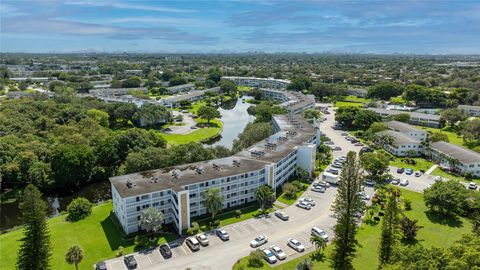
<point x="402" y="144"/>
<point x="191" y="96"/>
<point x="470" y="110"/>
<point x="181" y="88"/>
<point x="295" y="102"/>
<point x="408" y="130"/>
<point x="259" y="82"/>
<point x="466" y="160"/>
<point x="420" y="119"/>
<point x="178" y="191"/>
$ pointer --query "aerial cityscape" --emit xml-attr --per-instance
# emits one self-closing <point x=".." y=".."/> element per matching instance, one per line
<point x="239" y="135"/>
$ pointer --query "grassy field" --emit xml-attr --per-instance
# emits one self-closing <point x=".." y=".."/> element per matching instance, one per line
<point x="443" y="174"/>
<point x="287" y="201"/>
<point x="453" y="138"/>
<point x="195" y="136"/>
<point x="436" y="232"/>
<point x="352" y="101"/>
<point x="98" y="235"/>
<point x="422" y="164"/>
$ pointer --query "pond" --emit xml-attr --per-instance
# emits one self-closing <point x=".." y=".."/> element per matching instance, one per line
<point x="234" y="118"/>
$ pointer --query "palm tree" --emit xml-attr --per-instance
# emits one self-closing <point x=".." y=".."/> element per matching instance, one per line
<point x="265" y="196"/>
<point x="318" y="242"/>
<point x="74" y="255"/>
<point x="213" y="201"/>
<point x="151" y="220"/>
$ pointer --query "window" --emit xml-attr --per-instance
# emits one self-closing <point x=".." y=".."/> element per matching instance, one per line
<point x="155" y="204"/>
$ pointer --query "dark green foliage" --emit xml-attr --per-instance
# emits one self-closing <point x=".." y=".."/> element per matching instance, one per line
<point x="385" y="90"/>
<point x="445" y="198"/>
<point x="264" y="111"/>
<point x="346" y="207"/>
<point x="252" y="133"/>
<point x="176" y="81"/>
<point x="255" y="259"/>
<point x="265" y="196"/>
<point x="388" y="236"/>
<point x="72" y="164"/>
<point x="78" y="209"/>
<point x="409" y="228"/>
<point x="300" y="83"/>
<point x="208" y="112"/>
<point x="35" y="249"/>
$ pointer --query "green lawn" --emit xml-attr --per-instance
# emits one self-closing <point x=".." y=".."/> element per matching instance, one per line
<point x="340" y="104"/>
<point x="357" y="99"/>
<point x="436" y="232"/>
<point x="98" y="235"/>
<point x="198" y="135"/>
<point x="230" y="218"/>
<point x="453" y="138"/>
<point x="443" y="174"/>
<point x="287" y="201"/>
<point x="422" y="164"/>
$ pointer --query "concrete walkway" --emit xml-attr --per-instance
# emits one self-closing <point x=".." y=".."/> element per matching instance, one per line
<point x="429" y="171"/>
<point x="277" y="202"/>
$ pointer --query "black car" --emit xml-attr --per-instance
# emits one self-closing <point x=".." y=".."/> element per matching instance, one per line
<point x="165" y="251"/>
<point x="365" y="149"/>
<point x="400" y="170"/>
<point x="130" y="262"/>
<point x="101" y="266"/>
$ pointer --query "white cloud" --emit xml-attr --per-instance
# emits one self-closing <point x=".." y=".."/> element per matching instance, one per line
<point x="7" y="11"/>
<point x="131" y="6"/>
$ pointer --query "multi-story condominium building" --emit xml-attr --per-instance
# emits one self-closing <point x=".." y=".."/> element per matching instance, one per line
<point x="470" y="110"/>
<point x="179" y="191"/>
<point x="455" y="158"/>
<point x="295" y="102"/>
<point x="421" y="119"/>
<point x="259" y="82"/>
<point x="408" y="130"/>
<point x="402" y="144"/>
<point x="181" y="88"/>
<point x="115" y="92"/>
<point x="191" y="96"/>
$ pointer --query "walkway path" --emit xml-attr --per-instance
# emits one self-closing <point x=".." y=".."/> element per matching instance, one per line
<point x="429" y="171"/>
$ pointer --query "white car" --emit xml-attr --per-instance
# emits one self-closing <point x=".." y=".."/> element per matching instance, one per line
<point x="222" y="234"/>
<point x="278" y="252"/>
<point x="308" y="201"/>
<point x="472" y="185"/>
<point x="202" y="238"/>
<point x="318" y="189"/>
<point x="282" y="215"/>
<point x="323" y="184"/>
<point x="319" y="232"/>
<point x="364" y="196"/>
<point x="395" y="181"/>
<point x="295" y="244"/>
<point x="438" y="179"/>
<point x="404" y="182"/>
<point x="269" y="257"/>
<point x="304" y="205"/>
<point x="258" y="241"/>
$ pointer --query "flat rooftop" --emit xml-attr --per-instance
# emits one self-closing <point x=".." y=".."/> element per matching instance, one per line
<point x="463" y="155"/>
<point x="178" y="176"/>
<point x="433" y="117"/>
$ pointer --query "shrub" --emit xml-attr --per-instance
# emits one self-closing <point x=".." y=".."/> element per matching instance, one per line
<point x="78" y="209"/>
<point x="238" y="213"/>
<point x="215" y="223"/>
<point x="305" y="265"/>
<point x="298" y="184"/>
<point x="141" y="241"/>
<point x="408" y="204"/>
<point x="290" y="191"/>
<point x="120" y="251"/>
<point x="255" y="259"/>
<point x="194" y="229"/>
<point x="409" y="228"/>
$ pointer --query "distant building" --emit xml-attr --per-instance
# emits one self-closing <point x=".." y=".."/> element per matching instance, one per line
<point x="295" y="102"/>
<point x="459" y="159"/>
<point x="408" y="130"/>
<point x="33" y="79"/>
<point x="192" y="96"/>
<point x="115" y="92"/>
<point x="470" y="110"/>
<point x="420" y="119"/>
<point x="402" y="144"/>
<point x="259" y="82"/>
<point x="181" y="88"/>
<point x="358" y="92"/>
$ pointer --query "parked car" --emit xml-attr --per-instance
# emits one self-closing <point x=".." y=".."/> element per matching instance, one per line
<point x="400" y="170"/>
<point x="332" y="170"/>
<point x="130" y="262"/>
<point x="358" y="144"/>
<point x="337" y="165"/>
<point x="193" y="243"/>
<point x="278" y="252"/>
<point x="337" y="148"/>
<point x="329" y="142"/>
<point x="472" y="185"/>
<point x="418" y="174"/>
<point x="319" y="232"/>
<point x="282" y="215"/>
<point x="395" y="181"/>
<point x="369" y="183"/>
<point x="304" y="205"/>
<point x="344" y="134"/>
<point x="364" y="196"/>
<point x="269" y="257"/>
<point x="258" y="241"/>
<point x="222" y="234"/>
<point x="365" y="149"/>
<point x="404" y="182"/>
<point x="438" y="179"/>
<point x="202" y="238"/>
<point x="165" y="251"/>
<point x="323" y="184"/>
<point x="409" y="171"/>
<point x="308" y="200"/>
<point x="295" y="244"/>
<point x="318" y="189"/>
<point x="101" y="266"/>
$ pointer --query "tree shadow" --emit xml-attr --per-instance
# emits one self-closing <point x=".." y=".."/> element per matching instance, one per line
<point x="115" y="236"/>
<point x="318" y="256"/>
<point x="410" y="242"/>
<point x="449" y="220"/>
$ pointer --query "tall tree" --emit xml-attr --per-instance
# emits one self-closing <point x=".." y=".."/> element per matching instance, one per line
<point x="347" y="207"/>
<point x="376" y="164"/>
<point x="318" y="242"/>
<point x="208" y="112"/>
<point x="389" y="229"/>
<point x="265" y="196"/>
<point x="35" y="249"/>
<point x="74" y="255"/>
<point x="214" y="201"/>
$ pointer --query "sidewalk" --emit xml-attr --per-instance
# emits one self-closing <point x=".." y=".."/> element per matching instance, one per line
<point x="429" y="171"/>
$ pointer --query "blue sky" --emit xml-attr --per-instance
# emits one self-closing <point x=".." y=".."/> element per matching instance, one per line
<point x="409" y="26"/>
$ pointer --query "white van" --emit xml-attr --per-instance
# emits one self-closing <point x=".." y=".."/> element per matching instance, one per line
<point x="193" y="244"/>
<point x="330" y="178"/>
